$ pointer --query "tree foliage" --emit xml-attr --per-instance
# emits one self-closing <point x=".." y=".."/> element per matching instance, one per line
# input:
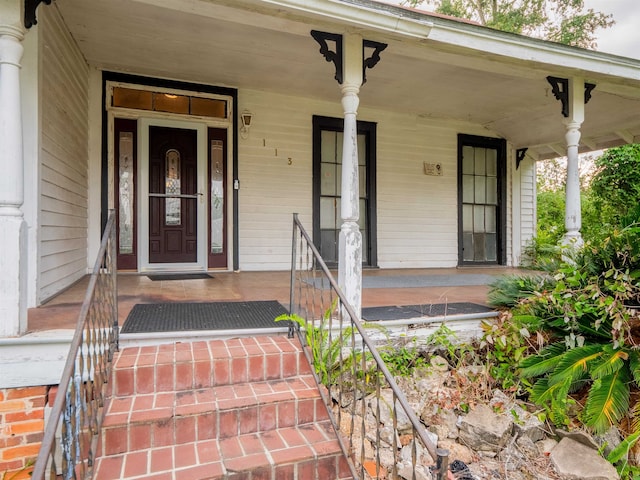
<point x="615" y="187"/>
<point x="562" y="21"/>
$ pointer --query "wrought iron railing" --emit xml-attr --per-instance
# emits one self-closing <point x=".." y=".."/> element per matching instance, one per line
<point x="379" y="432"/>
<point x="77" y="412"/>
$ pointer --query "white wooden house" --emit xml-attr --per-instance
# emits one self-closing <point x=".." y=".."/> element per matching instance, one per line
<point x="207" y="123"/>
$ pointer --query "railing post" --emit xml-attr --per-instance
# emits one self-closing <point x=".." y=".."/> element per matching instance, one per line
<point x="442" y="463"/>
<point x="294" y="255"/>
<point x="114" y="290"/>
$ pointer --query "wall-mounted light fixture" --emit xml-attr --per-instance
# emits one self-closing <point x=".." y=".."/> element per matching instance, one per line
<point x="245" y="118"/>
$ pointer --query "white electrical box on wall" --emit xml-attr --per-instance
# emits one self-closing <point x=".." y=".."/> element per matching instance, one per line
<point x="434" y="169"/>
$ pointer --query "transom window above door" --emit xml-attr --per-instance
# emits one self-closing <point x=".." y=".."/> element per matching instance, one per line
<point x="169" y="102"/>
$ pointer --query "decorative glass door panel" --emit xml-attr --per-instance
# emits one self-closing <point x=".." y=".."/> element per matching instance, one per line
<point x="125" y="133"/>
<point x="217" y="139"/>
<point x="481" y="200"/>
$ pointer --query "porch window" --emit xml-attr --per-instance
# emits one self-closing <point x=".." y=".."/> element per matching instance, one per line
<point x="481" y="179"/>
<point x="328" y="138"/>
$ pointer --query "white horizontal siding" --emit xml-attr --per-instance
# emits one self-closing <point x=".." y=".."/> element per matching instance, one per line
<point x="63" y="158"/>
<point x="417" y="214"/>
<point x="528" y="198"/>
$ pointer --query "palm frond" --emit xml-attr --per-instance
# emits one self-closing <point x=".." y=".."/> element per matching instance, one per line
<point x="608" y="401"/>
<point x="544" y="362"/>
<point x="574" y="363"/>
<point x="611" y="361"/>
<point x="542" y="392"/>
<point x="634" y="365"/>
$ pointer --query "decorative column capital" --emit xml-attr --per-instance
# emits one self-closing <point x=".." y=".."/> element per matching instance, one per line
<point x="573" y="134"/>
<point x="11" y="48"/>
<point x="12" y="31"/>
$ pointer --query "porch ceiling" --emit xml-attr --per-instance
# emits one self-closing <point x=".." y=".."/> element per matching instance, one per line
<point x="259" y="45"/>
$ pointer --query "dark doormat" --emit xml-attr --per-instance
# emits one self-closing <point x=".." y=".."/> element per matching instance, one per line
<point x="178" y="276"/>
<point x="414" y="311"/>
<point x="179" y="317"/>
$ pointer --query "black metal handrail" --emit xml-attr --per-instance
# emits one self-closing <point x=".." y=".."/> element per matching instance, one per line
<point x="348" y="364"/>
<point x="77" y="412"/>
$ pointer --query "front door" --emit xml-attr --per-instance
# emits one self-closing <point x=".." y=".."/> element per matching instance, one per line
<point x="173" y="195"/>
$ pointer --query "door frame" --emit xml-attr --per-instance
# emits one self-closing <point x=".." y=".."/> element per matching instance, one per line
<point x="143" y="195"/>
<point x="107" y="194"/>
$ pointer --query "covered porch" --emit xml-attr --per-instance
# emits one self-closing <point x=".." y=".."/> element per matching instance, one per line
<point x="390" y="287"/>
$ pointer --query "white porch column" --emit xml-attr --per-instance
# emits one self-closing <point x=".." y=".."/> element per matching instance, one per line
<point x="12" y="225"/>
<point x="350" y="246"/>
<point x="573" y="216"/>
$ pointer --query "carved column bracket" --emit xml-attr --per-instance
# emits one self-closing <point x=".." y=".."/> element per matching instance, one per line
<point x="520" y="154"/>
<point x="30" y="7"/>
<point x="334" y="56"/>
<point x="373" y="59"/>
<point x="560" y="90"/>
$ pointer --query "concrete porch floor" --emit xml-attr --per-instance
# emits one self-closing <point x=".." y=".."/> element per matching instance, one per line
<point x="62" y="311"/>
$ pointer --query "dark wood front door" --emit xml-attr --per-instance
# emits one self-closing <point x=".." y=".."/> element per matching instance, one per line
<point x="173" y="195"/>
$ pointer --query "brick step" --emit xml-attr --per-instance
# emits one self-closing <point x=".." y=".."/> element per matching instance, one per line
<point x="306" y="452"/>
<point x="194" y="365"/>
<point x="139" y="422"/>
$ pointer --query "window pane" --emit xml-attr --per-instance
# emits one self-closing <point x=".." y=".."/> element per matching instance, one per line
<point x="208" y="107"/>
<point x="467" y="245"/>
<point x="478" y="218"/>
<point x="126" y="189"/>
<point x="362" y="149"/>
<point x="362" y="220"/>
<point x="479" y="254"/>
<point x="490" y="219"/>
<point x="491" y="250"/>
<point x="328" y="146"/>
<point x="328" y="182"/>
<point x="130" y="98"/>
<point x="467" y="160"/>
<point x="467" y="218"/>
<point x="164" y="102"/>
<point x="362" y="180"/>
<point x="339" y="137"/>
<point x="480" y="167"/>
<point x="327" y="213"/>
<point x="480" y="196"/>
<point x="492" y="190"/>
<point x="339" y="180"/>
<point x="492" y="162"/>
<point x="217" y="196"/>
<point x="467" y="189"/>
<point x="329" y="245"/>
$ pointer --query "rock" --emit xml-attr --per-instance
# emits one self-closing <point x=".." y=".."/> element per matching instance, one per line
<point x="439" y="364"/>
<point x="484" y="430"/>
<point x="405" y="471"/>
<point x="574" y="460"/>
<point x="578" y="436"/>
<point x="501" y="402"/>
<point x="387" y="410"/>
<point x="545" y="446"/>
<point x="610" y="440"/>
<point x="527" y="446"/>
<point x="443" y="423"/>
<point x="457" y="451"/>
<point x="525" y="424"/>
